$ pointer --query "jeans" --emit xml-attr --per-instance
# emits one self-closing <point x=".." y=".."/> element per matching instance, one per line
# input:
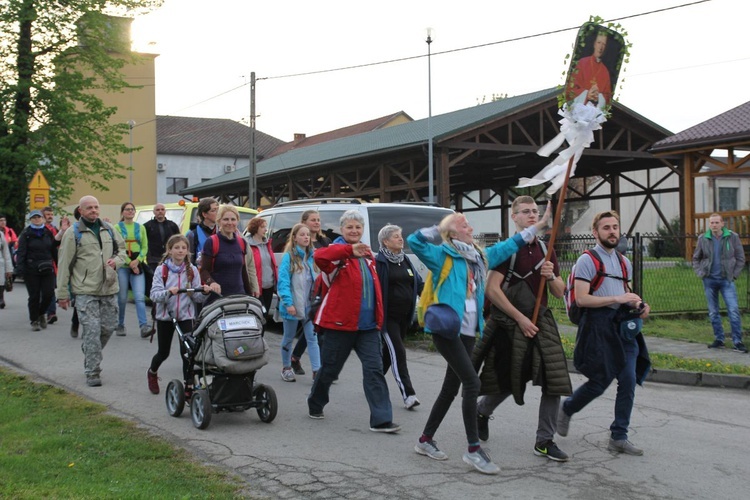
<point x="137" y="282"/>
<point x="290" y="330"/>
<point x="591" y="390"/>
<point x="713" y="287"/>
<point x="457" y="352"/>
<point x="336" y="349"/>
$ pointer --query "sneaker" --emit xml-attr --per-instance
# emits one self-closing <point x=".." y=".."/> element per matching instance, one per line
<point x="430" y="449"/>
<point x="93" y="381"/>
<point x="297" y="367"/>
<point x="550" y="450"/>
<point x="483" y="426"/>
<point x="411" y="402"/>
<point x="316" y="415"/>
<point x="43" y="321"/>
<point x="51" y="318"/>
<point x="287" y="375"/>
<point x="740" y="347"/>
<point x="35" y="326"/>
<point x="388" y="427"/>
<point x="624" y="446"/>
<point x="120" y="331"/>
<point x="74" y="331"/>
<point x="563" y="421"/>
<point x="153" y="381"/>
<point x="716" y="344"/>
<point x="481" y="462"/>
<point x="146" y="331"/>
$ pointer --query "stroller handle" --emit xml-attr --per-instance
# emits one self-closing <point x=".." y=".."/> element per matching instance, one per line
<point x="194" y="290"/>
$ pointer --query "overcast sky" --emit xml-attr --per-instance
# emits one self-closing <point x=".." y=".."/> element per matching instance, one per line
<point x="682" y="70"/>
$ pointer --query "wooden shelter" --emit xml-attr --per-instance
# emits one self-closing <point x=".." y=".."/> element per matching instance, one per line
<point x="480" y="153"/>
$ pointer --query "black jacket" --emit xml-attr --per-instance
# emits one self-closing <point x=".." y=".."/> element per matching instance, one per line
<point x="157" y="245"/>
<point x="34" y="250"/>
<point x="381" y="264"/>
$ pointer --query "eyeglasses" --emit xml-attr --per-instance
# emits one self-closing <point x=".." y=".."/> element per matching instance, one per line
<point x="528" y="211"/>
<point x="129" y="209"/>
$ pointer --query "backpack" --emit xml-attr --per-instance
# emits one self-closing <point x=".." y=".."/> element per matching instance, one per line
<point x="571" y="308"/>
<point x="77" y="234"/>
<point x="124" y="233"/>
<point x="199" y="239"/>
<point x="511" y="267"/>
<point x="430" y="291"/>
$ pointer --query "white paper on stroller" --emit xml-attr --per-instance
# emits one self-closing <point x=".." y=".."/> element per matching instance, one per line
<point x="238" y="323"/>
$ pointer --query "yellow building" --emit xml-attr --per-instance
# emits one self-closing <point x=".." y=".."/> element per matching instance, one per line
<point x="136" y="106"/>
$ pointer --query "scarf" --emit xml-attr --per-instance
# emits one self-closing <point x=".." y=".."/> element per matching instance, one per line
<point x="397" y="258"/>
<point x="173" y="267"/>
<point x="474" y="259"/>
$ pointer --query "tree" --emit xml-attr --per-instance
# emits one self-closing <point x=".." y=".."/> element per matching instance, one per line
<point x="54" y="53"/>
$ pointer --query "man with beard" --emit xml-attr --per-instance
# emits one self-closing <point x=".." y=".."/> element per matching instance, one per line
<point x="609" y="344"/>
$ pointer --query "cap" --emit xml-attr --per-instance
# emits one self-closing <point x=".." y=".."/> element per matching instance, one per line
<point x="35" y="213"/>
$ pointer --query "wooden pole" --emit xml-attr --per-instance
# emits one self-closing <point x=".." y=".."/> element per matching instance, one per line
<point x="551" y="244"/>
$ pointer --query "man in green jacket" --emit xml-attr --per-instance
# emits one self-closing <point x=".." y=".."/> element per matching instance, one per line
<point x="719" y="259"/>
<point x="88" y="257"/>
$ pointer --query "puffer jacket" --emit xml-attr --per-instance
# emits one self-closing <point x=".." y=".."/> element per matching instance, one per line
<point x="509" y="359"/>
<point x="181" y="305"/>
<point x="82" y="264"/>
<point x="732" y="255"/>
<point x="424" y="244"/>
<point x="294" y="287"/>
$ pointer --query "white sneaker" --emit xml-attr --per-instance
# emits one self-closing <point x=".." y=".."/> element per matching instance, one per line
<point x="410" y="402"/>
<point x="481" y="462"/>
<point x="287" y="375"/>
<point x="430" y="449"/>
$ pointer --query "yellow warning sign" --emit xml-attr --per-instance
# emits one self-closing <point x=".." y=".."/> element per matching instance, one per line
<point x="38" y="191"/>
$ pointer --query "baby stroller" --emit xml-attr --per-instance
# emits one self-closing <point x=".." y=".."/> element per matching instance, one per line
<point x="225" y="350"/>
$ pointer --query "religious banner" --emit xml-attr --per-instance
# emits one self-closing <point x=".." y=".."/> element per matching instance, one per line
<point x="587" y="96"/>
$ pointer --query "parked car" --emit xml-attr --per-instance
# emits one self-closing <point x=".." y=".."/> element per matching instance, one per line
<point x="185" y="214"/>
<point x="410" y="216"/>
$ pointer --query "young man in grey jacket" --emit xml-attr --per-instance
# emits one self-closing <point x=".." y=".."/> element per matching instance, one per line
<point x="719" y="259"/>
<point x="88" y="257"/>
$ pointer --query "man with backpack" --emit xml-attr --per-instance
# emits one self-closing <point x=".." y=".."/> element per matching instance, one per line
<point x="515" y="350"/>
<point x="609" y="344"/>
<point x="88" y="257"/>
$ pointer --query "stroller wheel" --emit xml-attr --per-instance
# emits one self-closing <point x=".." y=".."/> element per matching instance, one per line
<point x="268" y="406"/>
<point x="175" y="398"/>
<point x="200" y="409"/>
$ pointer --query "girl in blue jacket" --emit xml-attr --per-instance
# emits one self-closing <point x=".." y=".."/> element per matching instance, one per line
<point x="296" y="277"/>
<point x="463" y="291"/>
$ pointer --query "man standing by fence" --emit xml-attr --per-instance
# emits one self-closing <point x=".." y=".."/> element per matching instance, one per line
<point x="719" y="259"/>
<point x="607" y="346"/>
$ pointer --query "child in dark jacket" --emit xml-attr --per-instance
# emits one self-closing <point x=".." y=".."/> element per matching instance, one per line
<point x="175" y="272"/>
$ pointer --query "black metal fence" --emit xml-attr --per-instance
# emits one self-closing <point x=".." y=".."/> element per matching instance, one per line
<point x="660" y="273"/>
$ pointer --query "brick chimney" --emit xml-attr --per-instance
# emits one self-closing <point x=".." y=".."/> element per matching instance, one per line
<point x="299" y="137"/>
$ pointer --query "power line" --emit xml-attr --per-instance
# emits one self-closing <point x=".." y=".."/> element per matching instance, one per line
<point x="450" y="51"/>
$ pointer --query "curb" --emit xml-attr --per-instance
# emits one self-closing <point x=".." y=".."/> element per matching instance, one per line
<point x="698" y="379"/>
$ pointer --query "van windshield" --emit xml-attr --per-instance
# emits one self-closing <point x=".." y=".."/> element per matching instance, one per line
<point x="173" y="214"/>
<point x="408" y="218"/>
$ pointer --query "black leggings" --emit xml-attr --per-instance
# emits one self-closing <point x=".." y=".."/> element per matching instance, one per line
<point x="394" y="352"/>
<point x="457" y="352"/>
<point x="41" y="291"/>
<point x="164" y="334"/>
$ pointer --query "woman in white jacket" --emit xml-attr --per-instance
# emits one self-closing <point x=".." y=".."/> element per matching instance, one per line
<point x="175" y="272"/>
<point x="296" y="277"/>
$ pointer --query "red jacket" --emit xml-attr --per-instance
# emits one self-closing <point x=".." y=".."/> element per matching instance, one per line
<point x="259" y="264"/>
<point x="340" y="307"/>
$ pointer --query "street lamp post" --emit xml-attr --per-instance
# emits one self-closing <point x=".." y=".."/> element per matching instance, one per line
<point x="131" y="124"/>
<point x="430" y="176"/>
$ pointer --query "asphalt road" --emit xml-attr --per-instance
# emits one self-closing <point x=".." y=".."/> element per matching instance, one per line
<point x="695" y="438"/>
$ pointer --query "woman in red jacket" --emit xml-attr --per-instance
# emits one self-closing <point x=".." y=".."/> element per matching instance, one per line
<point x="351" y="316"/>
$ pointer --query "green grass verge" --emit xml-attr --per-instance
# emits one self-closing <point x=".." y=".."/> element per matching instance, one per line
<point x="54" y="444"/>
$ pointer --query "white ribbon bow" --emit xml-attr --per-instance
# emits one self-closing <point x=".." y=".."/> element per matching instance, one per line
<point x="577" y="128"/>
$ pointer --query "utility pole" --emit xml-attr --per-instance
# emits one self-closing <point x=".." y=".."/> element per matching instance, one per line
<point x="252" y="187"/>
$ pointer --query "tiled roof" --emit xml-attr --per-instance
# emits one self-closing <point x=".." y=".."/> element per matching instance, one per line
<point x="182" y="135"/>
<point x="398" y="137"/>
<point x="731" y="126"/>
<point x="358" y="128"/>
